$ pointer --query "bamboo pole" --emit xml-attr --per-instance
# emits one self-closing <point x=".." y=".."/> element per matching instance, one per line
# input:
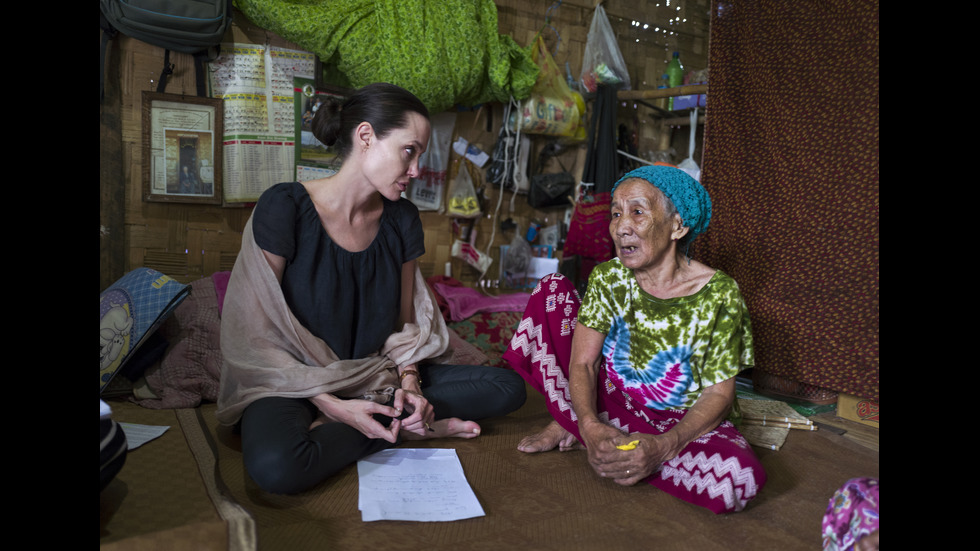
<point x="688" y="90"/>
<point x="680" y="121"/>
<point x="797" y="426"/>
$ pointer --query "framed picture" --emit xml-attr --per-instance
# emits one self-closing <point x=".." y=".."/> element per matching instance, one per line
<point x="182" y="148"/>
<point x="311" y="155"/>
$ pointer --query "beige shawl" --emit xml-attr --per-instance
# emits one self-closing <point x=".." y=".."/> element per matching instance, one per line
<point x="267" y="352"/>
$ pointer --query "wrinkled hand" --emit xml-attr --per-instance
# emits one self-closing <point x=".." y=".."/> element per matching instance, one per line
<point x="600" y="442"/>
<point x="421" y="413"/>
<point x="625" y="467"/>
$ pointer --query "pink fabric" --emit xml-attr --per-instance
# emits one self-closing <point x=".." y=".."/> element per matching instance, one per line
<point x="463" y="302"/>
<point x="588" y="234"/>
<point x="851" y="514"/>
<point x="718" y="471"/>
<point x="220" y="280"/>
<point x="440" y="300"/>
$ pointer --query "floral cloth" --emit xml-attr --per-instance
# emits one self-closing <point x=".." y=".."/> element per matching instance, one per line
<point x="664" y="352"/>
<point x="851" y="514"/>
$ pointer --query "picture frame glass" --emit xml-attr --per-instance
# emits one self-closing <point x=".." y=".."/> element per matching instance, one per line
<point x="182" y="153"/>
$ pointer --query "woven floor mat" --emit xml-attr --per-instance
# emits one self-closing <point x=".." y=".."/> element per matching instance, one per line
<point x="550" y="501"/>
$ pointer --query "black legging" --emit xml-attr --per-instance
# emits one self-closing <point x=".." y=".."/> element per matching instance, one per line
<point x="283" y="456"/>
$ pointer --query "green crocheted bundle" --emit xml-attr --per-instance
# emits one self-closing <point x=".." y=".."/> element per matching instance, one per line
<point x="446" y="52"/>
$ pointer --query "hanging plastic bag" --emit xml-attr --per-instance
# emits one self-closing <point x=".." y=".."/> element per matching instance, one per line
<point x="688" y="165"/>
<point x="461" y="200"/>
<point x="427" y="190"/>
<point x="552" y="108"/>
<point x="471" y="255"/>
<point x="602" y="62"/>
<point x="518" y="258"/>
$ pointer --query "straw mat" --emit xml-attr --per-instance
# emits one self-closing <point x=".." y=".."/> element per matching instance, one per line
<point x="189" y="490"/>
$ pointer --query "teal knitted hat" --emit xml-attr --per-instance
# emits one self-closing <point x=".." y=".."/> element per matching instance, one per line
<point x="688" y="195"/>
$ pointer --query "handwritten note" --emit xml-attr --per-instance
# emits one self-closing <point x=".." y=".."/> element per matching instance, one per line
<point x="426" y="485"/>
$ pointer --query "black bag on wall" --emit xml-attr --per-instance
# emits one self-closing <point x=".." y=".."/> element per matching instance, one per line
<point x="550" y="190"/>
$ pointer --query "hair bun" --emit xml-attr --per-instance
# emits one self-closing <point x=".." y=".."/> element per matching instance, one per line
<point x="382" y="105"/>
<point x="326" y="122"/>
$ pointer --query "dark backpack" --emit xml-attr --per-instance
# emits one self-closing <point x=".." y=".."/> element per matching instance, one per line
<point x="194" y="27"/>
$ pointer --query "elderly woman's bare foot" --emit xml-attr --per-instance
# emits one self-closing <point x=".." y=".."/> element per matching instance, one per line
<point x="447" y="428"/>
<point x="553" y="436"/>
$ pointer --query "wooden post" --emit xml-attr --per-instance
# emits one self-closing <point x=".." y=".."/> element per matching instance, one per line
<point x="112" y="187"/>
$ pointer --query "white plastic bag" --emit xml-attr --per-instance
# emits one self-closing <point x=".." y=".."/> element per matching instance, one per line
<point x="688" y="165"/>
<point x="427" y="190"/>
<point x="603" y="62"/>
<point x="461" y="199"/>
<point x="471" y="255"/>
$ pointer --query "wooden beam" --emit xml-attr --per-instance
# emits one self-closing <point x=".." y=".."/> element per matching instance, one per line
<point x="688" y="90"/>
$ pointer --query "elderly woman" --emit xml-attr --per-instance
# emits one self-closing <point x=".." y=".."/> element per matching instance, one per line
<point x="642" y="371"/>
<point x="327" y="320"/>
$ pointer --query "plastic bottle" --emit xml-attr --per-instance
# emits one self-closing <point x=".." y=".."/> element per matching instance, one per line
<point x="675" y="72"/>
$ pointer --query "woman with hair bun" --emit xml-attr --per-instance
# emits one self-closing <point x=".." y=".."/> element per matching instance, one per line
<point x="327" y="319"/>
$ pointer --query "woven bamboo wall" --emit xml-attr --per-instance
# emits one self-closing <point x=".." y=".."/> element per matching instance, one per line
<point x="648" y="31"/>
<point x="189" y="241"/>
<point x="184" y="241"/>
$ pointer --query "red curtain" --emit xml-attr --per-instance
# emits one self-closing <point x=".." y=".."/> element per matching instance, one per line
<point x="791" y="163"/>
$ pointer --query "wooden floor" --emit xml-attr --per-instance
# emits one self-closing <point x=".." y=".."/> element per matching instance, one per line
<point x="859" y="433"/>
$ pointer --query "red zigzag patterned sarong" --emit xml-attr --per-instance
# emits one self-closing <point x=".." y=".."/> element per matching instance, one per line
<point x="718" y="471"/>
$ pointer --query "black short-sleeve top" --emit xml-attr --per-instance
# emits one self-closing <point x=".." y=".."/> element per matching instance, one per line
<point x="349" y="299"/>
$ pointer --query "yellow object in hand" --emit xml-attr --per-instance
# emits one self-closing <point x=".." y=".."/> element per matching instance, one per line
<point x="630" y="446"/>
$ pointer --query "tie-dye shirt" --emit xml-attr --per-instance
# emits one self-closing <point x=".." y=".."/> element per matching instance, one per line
<point x="664" y="352"/>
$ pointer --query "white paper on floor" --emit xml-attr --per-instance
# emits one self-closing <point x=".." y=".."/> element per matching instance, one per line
<point x="426" y="485"/>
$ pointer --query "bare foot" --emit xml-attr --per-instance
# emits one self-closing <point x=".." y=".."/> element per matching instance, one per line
<point x="447" y="428"/>
<point x="548" y="439"/>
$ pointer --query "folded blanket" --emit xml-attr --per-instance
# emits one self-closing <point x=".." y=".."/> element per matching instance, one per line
<point x="189" y="371"/>
<point x="463" y="302"/>
<point x="267" y="352"/>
